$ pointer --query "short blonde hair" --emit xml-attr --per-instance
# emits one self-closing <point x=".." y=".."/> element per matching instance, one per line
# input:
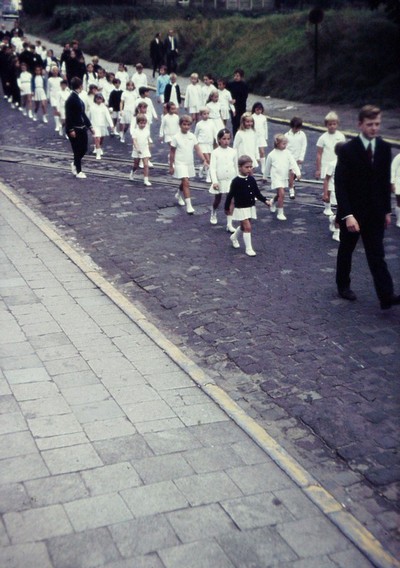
<point x="332" y="115"/>
<point x="194" y="76"/>
<point x="243" y="118"/>
<point x="185" y="118"/>
<point x="279" y="138"/>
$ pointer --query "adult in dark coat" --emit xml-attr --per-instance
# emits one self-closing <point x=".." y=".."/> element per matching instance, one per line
<point x="239" y="91"/>
<point x="363" y="193"/>
<point x="171" y="51"/>
<point x="76" y="126"/>
<point x="156" y="53"/>
<point x="169" y="89"/>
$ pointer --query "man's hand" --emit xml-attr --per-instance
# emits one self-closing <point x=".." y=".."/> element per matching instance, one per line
<point x="387" y="220"/>
<point x="352" y="224"/>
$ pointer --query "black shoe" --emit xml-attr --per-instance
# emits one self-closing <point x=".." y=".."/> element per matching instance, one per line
<point x="347" y="294"/>
<point x="392" y="301"/>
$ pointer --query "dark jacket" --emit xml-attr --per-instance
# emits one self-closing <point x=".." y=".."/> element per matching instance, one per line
<point x="75" y="116"/>
<point x="244" y="191"/>
<point x="167" y="93"/>
<point x="363" y="189"/>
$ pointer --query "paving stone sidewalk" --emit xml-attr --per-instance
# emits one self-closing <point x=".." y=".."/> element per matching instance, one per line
<point x="111" y="455"/>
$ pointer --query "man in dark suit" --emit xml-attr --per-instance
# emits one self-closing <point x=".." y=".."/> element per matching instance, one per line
<point x="156" y="53"/>
<point x="171" y="51"/>
<point x="76" y="126"/>
<point x="239" y="91"/>
<point x="363" y="193"/>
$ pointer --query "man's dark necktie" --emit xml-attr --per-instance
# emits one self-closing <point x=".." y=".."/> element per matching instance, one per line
<point x="370" y="153"/>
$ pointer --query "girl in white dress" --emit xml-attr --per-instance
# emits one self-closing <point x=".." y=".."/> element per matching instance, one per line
<point x="101" y="122"/>
<point x="181" y="162"/>
<point x="62" y="97"/>
<point x="214" y="106"/>
<point x="123" y="75"/>
<point x="128" y="105"/>
<point x="297" y="145"/>
<point x="278" y="165"/>
<point x="225" y="100"/>
<point x="223" y="168"/>
<point x="261" y="128"/>
<point x="193" y="97"/>
<point x="25" y="86"/>
<point x="53" y="93"/>
<point x="169" y="123"/>
<point x="140" y="133"/>
<point x="39" y="88"/>
<point x="207" y="88"/>
<point x="246" y="140"/>
<point x="204" y="133"/>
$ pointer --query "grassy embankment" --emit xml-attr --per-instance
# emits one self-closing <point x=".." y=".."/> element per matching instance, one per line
<point x="358" y="50"/>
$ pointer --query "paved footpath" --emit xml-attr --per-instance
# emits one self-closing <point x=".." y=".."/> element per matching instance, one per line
<point x="111" y="455"/>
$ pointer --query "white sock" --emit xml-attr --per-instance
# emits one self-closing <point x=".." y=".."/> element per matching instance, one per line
<point x="247" y="241"/>
<point x="229" y="220"/>
<point x="398" y="216"/>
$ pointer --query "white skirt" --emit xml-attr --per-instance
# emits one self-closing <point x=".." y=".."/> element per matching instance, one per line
<point x="224" y="187"/>
<point x="54" y="100"/>
<point x="242" y="213"/>
<point x="206" y="148"/>
<point x="225" y="113"/>
<point x="194" y="109"/>
<point x="25" y="89"/>
<point x="127" y="116"/>
<point x="100" y="131"/>
<point x="184" y="171"/>
<point x="39" y="94"/>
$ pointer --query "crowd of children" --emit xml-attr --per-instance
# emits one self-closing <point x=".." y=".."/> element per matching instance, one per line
<point x="118" y="104"/>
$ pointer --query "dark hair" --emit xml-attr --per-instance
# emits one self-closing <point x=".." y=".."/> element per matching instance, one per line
<point x="143" y="90"/>
<point x="168" y="105"/>
<point x="239" y="72"/>
<point x="222" y="133"/>
<point x="368" y="111"/>
<point x="256" y="106"/>
<point x="296" y="122"/>
<point x="76" y="82"/>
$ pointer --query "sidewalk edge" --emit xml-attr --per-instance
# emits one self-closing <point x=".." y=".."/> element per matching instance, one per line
<point x="325" y="501"/>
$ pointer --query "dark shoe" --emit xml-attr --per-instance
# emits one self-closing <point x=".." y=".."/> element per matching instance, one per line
<point x="347" y="294"/>
<point x="392" y="301"/>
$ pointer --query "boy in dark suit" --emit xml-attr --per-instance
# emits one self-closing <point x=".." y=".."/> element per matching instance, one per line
<point x="363" y="193"/>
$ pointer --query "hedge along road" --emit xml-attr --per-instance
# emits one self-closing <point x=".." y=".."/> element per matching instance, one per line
<point x="318" y="374"/>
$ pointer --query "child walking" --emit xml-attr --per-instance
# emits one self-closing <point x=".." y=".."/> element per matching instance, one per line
<point x="214" y="108"/>
<point x="62" y="97"/>
<point x="244" y="192"/>
<point x="53" y="93"/>
<point x="326" y="149"/>
<point x="127" y="109"/>
<point x="278" y="165"/>
<point x="169" y="123"/>
<point x="223" y="168"/>
<point x="141" y="148"/>
<point x="261" y="128"/>
<point x="297" y="146"/>
<point x="329" y="195"/>
<point x="25" y="86"/>
<point x="101" y="123"/>
<point x="39" y="90"/>
<point x="181" y="162"/>
<point x="225" y="100"/>
<point x="246" y="140"/>
<point x="204" y="133"/>
<point x="193" y="97"/>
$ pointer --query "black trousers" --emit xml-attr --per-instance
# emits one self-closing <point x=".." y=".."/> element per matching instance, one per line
<point x="372" y="233"/>
<point x="172" y="63"/>
<point x="79" y="147"/>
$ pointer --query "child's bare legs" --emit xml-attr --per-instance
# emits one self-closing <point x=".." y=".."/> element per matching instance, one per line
<point x="146" y="172"/>
<point x="215" y="205"/>
<point x="35" y="110"/>
<point x="292" y="193"/>
<point x="97" y="147"/>
<point x="122" y="128"/>
<point x="185" y="188"/>
<point x="261" y="152"/>
<point x="135" y="166"/>
<point x="43" y="105"/>
<point x="277" y="204"/>
<point x="217" y="201"/>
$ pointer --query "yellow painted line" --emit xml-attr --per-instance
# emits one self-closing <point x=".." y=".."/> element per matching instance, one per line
<point x="326" y="502"/>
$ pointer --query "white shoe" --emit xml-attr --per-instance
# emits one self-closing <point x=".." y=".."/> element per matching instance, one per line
<point x="45" y="119"/>
<point x="230" y="229"/>
<point x="327" y="210"/>
<point x="292" y="194"/>
<point x="234" y="241"/>
<point x="151" y="165"/>
<point x="34" y="118"/>
<point x="61" y="131"/>
<point x="332" y="226"/>
<point x="122" y="138"/>
<point x="98" y="154"/>
<point x="132" y="176"/>
<point x="180" y="199"/>
<point x="200" y="173"/>
<point x="147" y="183"/>
<point x="250" y="252"/>
<point x="208" y="179"/>
<point x="101" y="152"/>
<point x="189" y="209"/>
<point x="30" y="114"/>
<point x="56" y="128"/>
<point x="12" y="105"/>
<point x="213" y="218"/>
<point x="281" y="216"/>
<point x="81" y="175"/>
<point x="272" y="207"/>
<point x="94" y="150"/>
<point x="73" y="168"/>
<point x="336" y="235"/>
<point x="24" y="113"/>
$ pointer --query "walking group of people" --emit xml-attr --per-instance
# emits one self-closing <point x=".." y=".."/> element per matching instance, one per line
<point x="86" y="97"/>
